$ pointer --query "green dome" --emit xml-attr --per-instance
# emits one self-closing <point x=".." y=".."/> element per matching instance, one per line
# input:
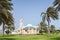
<point x="29" y="27"/>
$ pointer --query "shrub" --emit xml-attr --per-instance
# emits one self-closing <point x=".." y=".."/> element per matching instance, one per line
<point x="7" y="31"/>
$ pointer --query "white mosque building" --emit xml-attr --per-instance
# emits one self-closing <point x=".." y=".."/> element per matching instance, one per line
<point x="28" y="29"/>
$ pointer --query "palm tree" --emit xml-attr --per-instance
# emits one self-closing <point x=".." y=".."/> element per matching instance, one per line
<point x="5" y="20"/>
<point x="5" y="13"/>
<point x="50" y="13"/>
<point x="56" y="4"/>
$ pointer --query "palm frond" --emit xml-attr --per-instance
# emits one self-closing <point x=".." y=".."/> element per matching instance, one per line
<point x="56" y="4"/>
<point x="43" y="16"/>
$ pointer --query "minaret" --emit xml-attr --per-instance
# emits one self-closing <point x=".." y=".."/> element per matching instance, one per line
<point x="21" y="23"/>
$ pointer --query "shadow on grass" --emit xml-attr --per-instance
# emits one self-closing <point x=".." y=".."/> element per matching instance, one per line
<point x="57" y="38"/>
<point x="7" y="39"/>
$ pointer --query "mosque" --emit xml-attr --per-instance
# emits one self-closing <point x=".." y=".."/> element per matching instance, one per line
<point x="28" y="29"/>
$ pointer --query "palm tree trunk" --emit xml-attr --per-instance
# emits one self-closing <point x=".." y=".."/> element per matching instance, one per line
<point x="3" y="28"/>
<point x="48" y="28"/>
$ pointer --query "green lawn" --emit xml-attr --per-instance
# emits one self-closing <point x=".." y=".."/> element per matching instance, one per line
<point x="31" y="37"/>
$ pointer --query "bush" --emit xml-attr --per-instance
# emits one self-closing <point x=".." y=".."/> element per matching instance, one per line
<point x="7" y="31"/>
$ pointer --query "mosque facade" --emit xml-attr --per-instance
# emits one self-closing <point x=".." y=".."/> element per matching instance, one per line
<point x="28" y="29"/>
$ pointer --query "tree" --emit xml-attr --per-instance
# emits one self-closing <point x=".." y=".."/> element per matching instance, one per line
<point x="4" y="20"/>
<point x="52" y="29"/>
<point x="56" y="4"/>
<point x="51" y="13"/>
<point x="10" y="22"/>
<point x="5" y="13"/>
<point x="43" y="26"/>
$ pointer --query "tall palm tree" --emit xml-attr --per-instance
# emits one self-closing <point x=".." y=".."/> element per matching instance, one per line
<point x="51" y="13"/>
<point x="56" y="4"/>
<point x="5" y="13"/>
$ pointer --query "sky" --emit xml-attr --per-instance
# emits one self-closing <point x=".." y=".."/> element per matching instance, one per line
<point x="30" y="11"/>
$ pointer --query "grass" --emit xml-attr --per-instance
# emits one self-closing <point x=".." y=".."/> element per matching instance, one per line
<point x="31" y="37"/>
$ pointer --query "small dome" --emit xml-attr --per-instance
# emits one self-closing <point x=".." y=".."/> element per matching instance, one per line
<point x="29" y="25"/>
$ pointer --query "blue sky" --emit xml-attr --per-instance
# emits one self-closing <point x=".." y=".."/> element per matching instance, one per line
<point x="30" y="11"/>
